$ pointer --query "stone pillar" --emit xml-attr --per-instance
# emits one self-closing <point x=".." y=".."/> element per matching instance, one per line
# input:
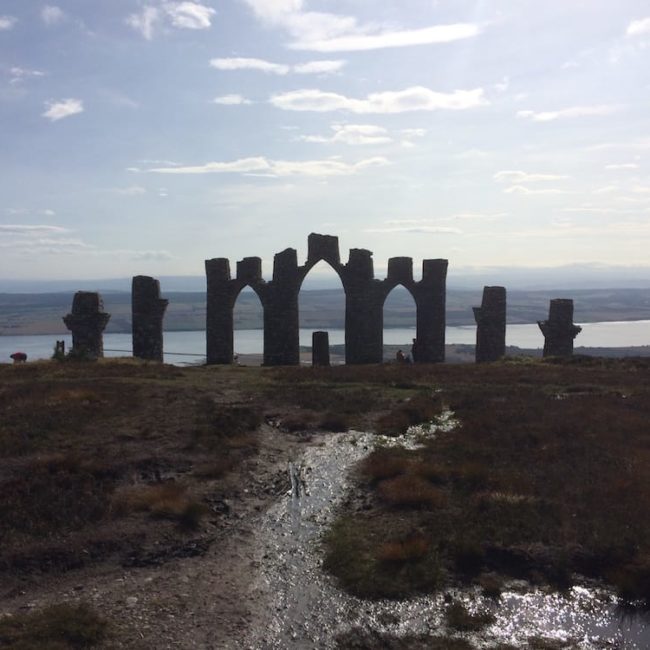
<point x="491" y="325"/>
<point x="364" y="313"/>
<point x="430" y="299"/>
<point x="320" y="349"/>
<point x="87" y="323"/>
<point x="559" y="330"/>
<point x="281" y="319"/>
<point x="219" y="314"/>
<point x="148" y="310"/>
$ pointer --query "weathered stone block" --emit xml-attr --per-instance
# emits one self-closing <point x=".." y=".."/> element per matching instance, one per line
<point x="400" y="270"/>
<point x="323" y="247"/>
<point x="148" y="311"/>
<point x="559" y="330"/>
<point x="491" y="325"/>
<point x="320" y="348"/>
<point x="87" y="322"/>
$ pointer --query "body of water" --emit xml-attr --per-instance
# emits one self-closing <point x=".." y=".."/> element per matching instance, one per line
<point x="597" y="335"/>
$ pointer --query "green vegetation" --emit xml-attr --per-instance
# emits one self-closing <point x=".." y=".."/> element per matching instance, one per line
<point x="58" y="627"/>
<point x="547" y="476"/>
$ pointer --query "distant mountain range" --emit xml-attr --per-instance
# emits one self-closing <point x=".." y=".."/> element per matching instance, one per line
<point x="574" y="276"/>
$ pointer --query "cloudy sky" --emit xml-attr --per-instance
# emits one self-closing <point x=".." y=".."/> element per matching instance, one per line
<point x="144" y="136"/>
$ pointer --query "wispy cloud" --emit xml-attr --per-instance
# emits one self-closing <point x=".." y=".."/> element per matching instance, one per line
<point x="145" y="21"/>
<point x="310" y="67"/>
<point x="64" y="108"/>
<point x="622" y="166"/>
<point x="7" y="23"/>
<point x="189" y="15"/>
<point x="133" y="190"/>
<point x="507" y="176"/>
<point x="328" y="32"/>
<point x="52" y="15"/>
<point x="416" y="98"/>
<point x="520" y="189"/>
<point x="231" y="100"/>
<point x="263" y="166"/>
<point x="18" y="75"/>
<point x="39" y="229"/>
<point x="638" y="27"/>
<point x="389" y="39"/>
<point x="241" y="63"/>
<point x="182" y="15"/>
<point x="352" y="134"/>
<point x="567" y="113"/>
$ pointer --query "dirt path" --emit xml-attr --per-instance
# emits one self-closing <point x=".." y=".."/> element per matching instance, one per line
<point x="206" y="601"/>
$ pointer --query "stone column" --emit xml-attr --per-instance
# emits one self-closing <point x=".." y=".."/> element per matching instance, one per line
<point x="281" y="320"/>
<point x="219" y="313"/>
<point x="148" y="310"/>
<point x="491" y="325"/>
<point x="559" y="330"/>
<point x="430" y="299"/>
<point x="320" y="349"/>
<point x="87" y="323"/>
<point x="364" y="310"/>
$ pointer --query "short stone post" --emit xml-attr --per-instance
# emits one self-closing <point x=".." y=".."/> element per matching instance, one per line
<point x="559" y="330"/>
<point x="87" y="323"/>
<point x="147" y="311"/>
<point x="491" y="325"/>
<point x="320" y="349"/>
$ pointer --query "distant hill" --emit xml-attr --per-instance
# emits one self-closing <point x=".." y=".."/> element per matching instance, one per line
<point x="41" y="313"/>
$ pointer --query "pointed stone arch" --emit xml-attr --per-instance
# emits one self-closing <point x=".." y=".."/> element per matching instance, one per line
<point x="364" y="300"/>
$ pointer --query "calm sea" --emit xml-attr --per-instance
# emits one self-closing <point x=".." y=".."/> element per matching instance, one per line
<point x="597" y="335"/>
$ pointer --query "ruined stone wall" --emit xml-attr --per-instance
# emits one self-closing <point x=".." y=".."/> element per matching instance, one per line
<point x="364" y="294"/>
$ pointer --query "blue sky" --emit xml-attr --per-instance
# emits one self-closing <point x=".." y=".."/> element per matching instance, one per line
<point x="142" y="137"/>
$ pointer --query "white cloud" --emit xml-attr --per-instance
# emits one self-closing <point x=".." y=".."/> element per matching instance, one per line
<point x="310" y="67"/>
<point x="31" y="229"/>
<point x="327" y="32"/>
<point x="18" y="75"/>
<point x="574" y="111"/>
<point x="145" y="21"/>
<point x="240" y="63"/>
<point x="262" y="166"/>
<point x="7" y="23"/>
<point x="524" y="177"/>
<point x="389" y="39"/>
<point x="520" y="189"/>
<point x="638" y="27"/>
<point x="352" y="134"/>
<point x="319" y="67"/>
<point x="51" y="14"/>
<point x="413" y="133"/>
<point x="62" y="109"/>
<point x="182" y="15"/>
<point x="231" y="100"/>
<point x="189" y="15"/>
<point x="623" y="166"/>
<point x="416" y="98"/>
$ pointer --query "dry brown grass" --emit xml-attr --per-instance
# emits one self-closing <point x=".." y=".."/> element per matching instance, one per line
<point x="409" y="491"/>
<point x="411" y="549"/>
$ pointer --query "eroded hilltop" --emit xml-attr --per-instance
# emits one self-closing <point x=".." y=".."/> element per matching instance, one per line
<point x="136" y="496"/>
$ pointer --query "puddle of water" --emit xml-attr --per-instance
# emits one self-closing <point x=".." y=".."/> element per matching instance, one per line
<point x="307" y="610"/>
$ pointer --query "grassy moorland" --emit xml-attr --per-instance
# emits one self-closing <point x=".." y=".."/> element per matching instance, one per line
<point x="122" y="464"/>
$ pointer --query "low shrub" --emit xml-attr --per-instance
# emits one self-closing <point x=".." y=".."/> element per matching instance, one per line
<point x="411" y="549"/>
<point x="409" y="491"/>
<point x="384" y="463"/>
<point x="164" y="501"/>
<point x="336" y="422"/>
